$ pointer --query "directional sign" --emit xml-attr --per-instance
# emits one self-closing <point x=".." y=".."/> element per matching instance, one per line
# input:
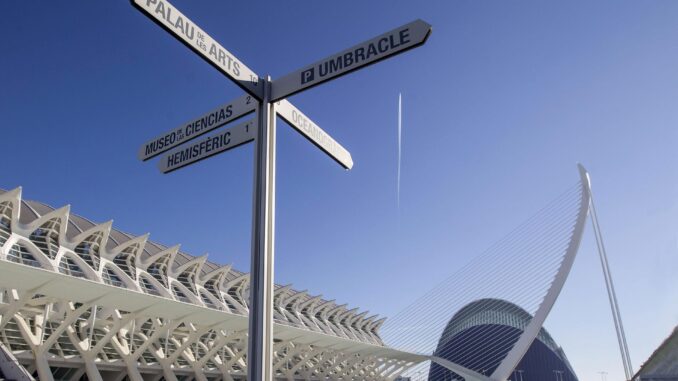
<point x="209" y="146"/>
<point x="260" y="332"/>
<point x="388" y="44"/>
<point x="198" y="126"/>
<point x="313" y="133"/>
<point x="185" y="30"/>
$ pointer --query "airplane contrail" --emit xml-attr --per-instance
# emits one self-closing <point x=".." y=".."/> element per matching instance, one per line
<point x="400" y="129"/>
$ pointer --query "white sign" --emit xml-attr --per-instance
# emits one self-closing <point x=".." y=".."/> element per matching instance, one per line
<point x="170" y="18"/>
<point x="313" y="133"/>
<point x="209" y="146"/>
<point x="388" y="44"/>
<point x="198" y="126"/>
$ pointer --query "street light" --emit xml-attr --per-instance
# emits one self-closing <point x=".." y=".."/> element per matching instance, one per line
<point x="520" y="372"/>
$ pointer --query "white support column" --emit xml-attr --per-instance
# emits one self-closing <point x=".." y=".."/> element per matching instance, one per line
<point x="133" y="371"/>
<point x="18" y="301"/>
<point x="167" y="371"/>
<point x="226" y="367"/>
<point x="91" y="369"/>
<point x="611" y="293"/>
<point x="199" y="375"/>
<point x="43" y="323"/>
<point x="93" y="321"/>
<point x="225" y="376"/>
<point x="42" y="366"/>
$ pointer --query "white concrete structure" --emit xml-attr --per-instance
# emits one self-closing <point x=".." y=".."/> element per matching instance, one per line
<point x="77" y="298"/>
<point x="80" y="300"/>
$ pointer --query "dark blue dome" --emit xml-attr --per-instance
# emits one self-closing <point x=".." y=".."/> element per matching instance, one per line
<point x="466" y="342"/>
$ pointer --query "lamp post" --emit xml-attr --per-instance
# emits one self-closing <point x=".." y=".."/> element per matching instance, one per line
<point x="520" y="373"/>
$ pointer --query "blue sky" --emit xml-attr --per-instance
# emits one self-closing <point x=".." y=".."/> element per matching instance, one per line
<point x="498" y="107"/>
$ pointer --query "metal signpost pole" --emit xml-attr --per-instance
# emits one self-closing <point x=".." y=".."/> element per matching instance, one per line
<point x="260" y="338"/>
<point x="271" y="100"/>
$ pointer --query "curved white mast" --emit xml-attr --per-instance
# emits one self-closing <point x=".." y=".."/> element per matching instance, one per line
<point x="612" y="295"/>
<point x="509" y="363"/>
<point x="512" y="359"/>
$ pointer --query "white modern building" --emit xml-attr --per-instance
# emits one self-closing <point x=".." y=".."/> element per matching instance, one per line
<point x="80" y="300"/>
<point x="84" y="301"/>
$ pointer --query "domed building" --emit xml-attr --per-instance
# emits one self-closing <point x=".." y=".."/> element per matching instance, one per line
<point x="465" y="342"/>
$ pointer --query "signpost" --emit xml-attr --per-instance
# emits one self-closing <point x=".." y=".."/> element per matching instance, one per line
<point x="198" y="126"/>
<point x="209" y="146"/>
<point x="270" y="102"/>
<point x="357" y="57"/>
<point x="313" y="133"/>
<point x="185" y="30"/>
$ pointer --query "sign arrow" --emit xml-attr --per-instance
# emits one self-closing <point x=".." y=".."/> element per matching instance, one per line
<point x="198" y="126"/>
<point x="223" y="141"/>
<point x="270" y="97"/>
<point x="313" y="133"/>
<point x="186" y="31"/>
<point x="371" y="51"/>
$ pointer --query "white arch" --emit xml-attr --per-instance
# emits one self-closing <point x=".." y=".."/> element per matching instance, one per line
<point x="512" y="359"/>
<point x="508" y="364"/>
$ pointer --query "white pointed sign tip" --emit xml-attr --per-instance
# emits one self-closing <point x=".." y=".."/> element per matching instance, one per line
<point x="366" y="53"/>
<point x="313" y="133"/>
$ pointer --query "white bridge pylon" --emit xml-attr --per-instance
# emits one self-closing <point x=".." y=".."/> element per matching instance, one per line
<point x="527" y="268"/>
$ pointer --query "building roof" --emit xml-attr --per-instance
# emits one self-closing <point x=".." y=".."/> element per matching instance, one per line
<point x="494" y="311"/>
<point x="317" y="314"/>
<point x="663" y="362"/>
<point x="491" y="311"/>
